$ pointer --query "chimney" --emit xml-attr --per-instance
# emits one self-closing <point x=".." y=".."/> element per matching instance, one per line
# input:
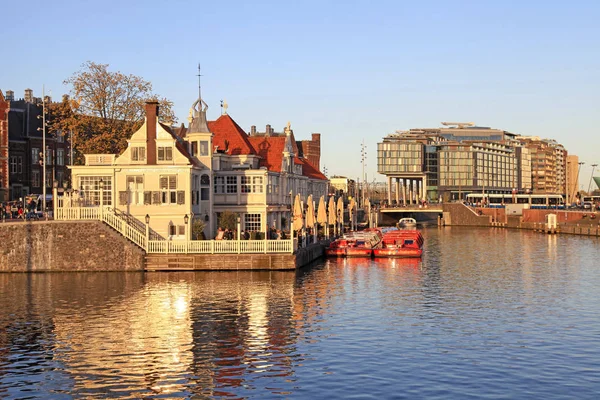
<point x="10" y="95"/>
<point x="252" y="130"/>
<point x="28" y="95"/>
<point x="268" y="130"/>
<point x="151" y="121"/>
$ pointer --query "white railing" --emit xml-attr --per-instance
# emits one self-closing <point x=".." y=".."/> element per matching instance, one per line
<point x="138" y="237"/>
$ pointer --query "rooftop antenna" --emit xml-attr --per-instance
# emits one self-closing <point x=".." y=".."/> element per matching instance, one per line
<point x="199" y="85"/>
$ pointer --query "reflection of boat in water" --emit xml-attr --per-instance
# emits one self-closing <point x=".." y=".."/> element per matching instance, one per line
<point x="400" y="243"/>
<point x="407" y="223"/>
<point x="355" y="244"/>
<point x="413" y="262"/>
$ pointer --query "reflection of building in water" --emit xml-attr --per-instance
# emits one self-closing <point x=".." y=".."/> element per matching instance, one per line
<point x="139" y="335"/>
<point x="245" y="328"/>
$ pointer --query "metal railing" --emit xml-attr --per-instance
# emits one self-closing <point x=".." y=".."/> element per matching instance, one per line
<point x="133" y="232"/>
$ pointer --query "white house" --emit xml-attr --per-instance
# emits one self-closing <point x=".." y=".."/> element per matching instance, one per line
<point x="173" y="178"/>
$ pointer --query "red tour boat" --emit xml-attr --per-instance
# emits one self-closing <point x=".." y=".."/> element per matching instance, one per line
<point x="400" y="243"/>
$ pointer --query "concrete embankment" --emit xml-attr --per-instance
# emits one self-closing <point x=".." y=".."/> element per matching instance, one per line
<point x="569" y="222"/>
<point x="66" y="246"/>
<point x="59" y="246"/>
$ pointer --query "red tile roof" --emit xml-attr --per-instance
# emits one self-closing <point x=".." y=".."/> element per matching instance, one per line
<point x="311" y="172"/>
<point x="270" y="149"/>
<point x="228" y="135"/>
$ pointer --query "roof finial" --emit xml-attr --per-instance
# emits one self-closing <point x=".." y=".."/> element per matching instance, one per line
<point x="225" y="107"/>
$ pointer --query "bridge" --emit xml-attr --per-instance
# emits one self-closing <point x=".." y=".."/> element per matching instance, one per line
<point x="411" y="209"/>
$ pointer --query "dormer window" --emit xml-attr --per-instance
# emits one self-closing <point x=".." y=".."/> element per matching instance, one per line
<point x="165" y="153"/>
<point x="138" y="154"/>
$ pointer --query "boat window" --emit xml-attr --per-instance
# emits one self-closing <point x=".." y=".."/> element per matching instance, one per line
<point x="408" y="241"/>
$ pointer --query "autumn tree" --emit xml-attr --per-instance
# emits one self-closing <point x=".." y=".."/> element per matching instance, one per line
<point x="104" y="109"/>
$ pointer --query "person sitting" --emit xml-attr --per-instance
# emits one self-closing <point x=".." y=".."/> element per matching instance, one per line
<point x="220" y="234"/>
<point x="20" y="213"/>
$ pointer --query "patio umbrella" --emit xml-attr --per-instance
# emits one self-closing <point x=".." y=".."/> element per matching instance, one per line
<point x="331" y="217"/>
<point x="298" y="218"/>
<point x="340" y="211"/>
<point x="310" y="212"/>
<point x="322" y="213"/>
<point x="351" y="210"/>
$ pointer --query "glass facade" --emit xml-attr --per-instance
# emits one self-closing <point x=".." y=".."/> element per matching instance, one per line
<point x="393" y="157"/>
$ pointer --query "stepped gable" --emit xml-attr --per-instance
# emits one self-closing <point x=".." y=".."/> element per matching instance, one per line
<point x="230" y="137"/>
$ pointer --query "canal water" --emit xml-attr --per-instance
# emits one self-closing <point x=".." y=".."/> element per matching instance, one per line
<point x="485" y="314"/>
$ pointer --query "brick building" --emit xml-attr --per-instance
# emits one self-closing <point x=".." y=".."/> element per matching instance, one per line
<point x="25" y="145"/>
<point x="4" y="107"/>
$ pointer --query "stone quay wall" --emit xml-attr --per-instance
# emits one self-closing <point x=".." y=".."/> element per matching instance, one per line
<point x="66" y="246"/>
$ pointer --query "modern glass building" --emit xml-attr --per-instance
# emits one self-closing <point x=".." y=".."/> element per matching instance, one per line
<point x="447" y="163"/>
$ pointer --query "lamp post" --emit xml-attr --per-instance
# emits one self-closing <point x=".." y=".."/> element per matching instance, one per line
<point x="147" y="230"/>
<point x="239" y="227"/>
<point x="186" y="219"/>
<point x="591" y="176"/>
<point x="101" y="184"/>
<point x="577" y="179"/>
<point x="54" y="197"/>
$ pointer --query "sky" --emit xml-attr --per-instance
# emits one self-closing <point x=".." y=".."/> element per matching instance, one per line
<point x="353" y="71"/>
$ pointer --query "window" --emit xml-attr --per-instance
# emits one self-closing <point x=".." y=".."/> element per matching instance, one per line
<point x="194" y="149"/>
<point x="232" y="184"/>
<point x="138" y="154"/>
<point x="169" y="193"/>
<point x="219" y="184"/>
<point x="60" y="157"/>
<point x="203" y="147"/>
<point x="257" y="184"/>
<point x="252" y="184"/>
<point x="60" y="177"/>
<point x="205" y="194"/>
<point x="246" y="181"/>
<point x="60" y="136"/>
<point x="35" y="178"/>
<point x="16" y="164"/>
<point x="176" y="230"/>
<point x="252" y="222"/>
<point x="49" y="179"/>
<point x="90" y="189"/>
<point x="165" y="153"/>
<point x="205" y="180"/>
<point x="35" y="155"/>
<point x="135" y="188"/>
<point x="49" y="157"/>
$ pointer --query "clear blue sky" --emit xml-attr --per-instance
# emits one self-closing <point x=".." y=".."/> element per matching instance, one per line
<point x="351" y="70"/>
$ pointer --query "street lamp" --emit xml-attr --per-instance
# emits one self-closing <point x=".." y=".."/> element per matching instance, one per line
<point x="186" y="219"/>
<point x="577" y="180"/>
<point x="147" y="229"/>
<point x="591" y="176"/>
<point x="101" y="184"/>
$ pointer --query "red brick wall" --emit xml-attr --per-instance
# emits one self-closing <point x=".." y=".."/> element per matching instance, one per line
<point x="4" y="108"/>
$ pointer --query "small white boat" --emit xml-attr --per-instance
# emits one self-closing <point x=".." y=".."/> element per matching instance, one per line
<point x="409" y="223"/>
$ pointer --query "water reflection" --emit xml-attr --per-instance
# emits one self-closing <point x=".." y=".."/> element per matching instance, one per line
<point x="490" y="305"/>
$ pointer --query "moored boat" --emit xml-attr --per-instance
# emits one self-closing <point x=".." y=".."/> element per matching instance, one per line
<point x="407" y="223"/>
<point x="355" y="244"/>
<point x="400" y="243"/>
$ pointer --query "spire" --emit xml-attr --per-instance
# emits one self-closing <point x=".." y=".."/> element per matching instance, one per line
<point x="197" y="116"/>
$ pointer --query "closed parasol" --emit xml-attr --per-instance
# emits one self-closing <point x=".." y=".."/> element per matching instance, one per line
<point x="331" y="218"/>
<point x="310" y="212"/>
<point x="322" y="213"/>
<point x="298" y="217"/>
<point x="340" y="210"/>
<point x="351" y="211"/>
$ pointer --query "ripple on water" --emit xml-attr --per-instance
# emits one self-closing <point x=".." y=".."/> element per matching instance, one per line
<point x="489" y="313"/>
